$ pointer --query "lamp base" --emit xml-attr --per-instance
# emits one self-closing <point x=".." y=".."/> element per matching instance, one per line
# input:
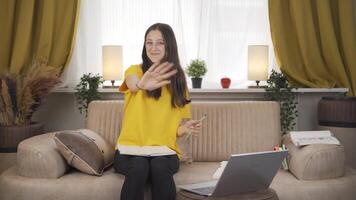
<point x="257" y="85"/>
<point x="112" y="85"/>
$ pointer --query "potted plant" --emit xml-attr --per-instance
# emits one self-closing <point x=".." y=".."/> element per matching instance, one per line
<point x="20" y="96"/>
<point x="196" y="70"/>
<point x="87" y="91"/>
<point x="279" y="89"/>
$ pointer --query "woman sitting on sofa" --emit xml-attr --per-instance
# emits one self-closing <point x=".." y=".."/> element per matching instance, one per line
<point x="157" y="111"/>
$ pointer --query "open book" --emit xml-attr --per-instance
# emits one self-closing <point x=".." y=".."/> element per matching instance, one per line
<point x="145" y="150"/>
<point x="300" y="138"/>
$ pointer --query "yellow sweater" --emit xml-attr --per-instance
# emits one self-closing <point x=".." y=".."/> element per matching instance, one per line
<point x="147" y="121"/>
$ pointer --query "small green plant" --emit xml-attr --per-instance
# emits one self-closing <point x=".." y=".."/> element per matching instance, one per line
<point x="279" y="89"/>
<point x="196" y="68"/>
<point x="87" y="91"/>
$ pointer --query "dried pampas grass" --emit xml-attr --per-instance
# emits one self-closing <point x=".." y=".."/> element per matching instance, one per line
<point x="21" y="95"/>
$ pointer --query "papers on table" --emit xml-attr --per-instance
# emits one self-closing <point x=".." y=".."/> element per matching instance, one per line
<point x="301" y="138"/>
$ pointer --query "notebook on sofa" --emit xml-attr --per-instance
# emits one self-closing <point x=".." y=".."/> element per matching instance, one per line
<point x="243" y="173"/>
<point x="145" y="150"/>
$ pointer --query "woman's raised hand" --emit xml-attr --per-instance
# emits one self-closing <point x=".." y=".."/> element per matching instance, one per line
<point x="157" y="76"/>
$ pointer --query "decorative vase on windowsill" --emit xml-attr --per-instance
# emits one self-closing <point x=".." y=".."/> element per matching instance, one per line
<point x="196" y="70"/>
<point x="20" y="96"/>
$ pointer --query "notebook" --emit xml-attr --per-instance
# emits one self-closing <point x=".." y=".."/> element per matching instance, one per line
<point x="145" y="150"/>
<point x="243" y="173"/>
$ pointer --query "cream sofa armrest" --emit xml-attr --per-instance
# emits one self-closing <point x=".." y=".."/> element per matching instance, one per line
<point x="315" y="162"/>
<point x="38" y="157"/>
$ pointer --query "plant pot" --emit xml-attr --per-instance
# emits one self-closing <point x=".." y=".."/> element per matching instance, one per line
<point x="338" y="114"/>
<point x="11" y="136"/>
<point x="225" y="82"/>
<point x="196" y="82"/>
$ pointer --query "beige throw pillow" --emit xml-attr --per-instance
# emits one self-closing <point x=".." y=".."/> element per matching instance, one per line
<point x="85" y="150"/>
<point x="315" y="162"/>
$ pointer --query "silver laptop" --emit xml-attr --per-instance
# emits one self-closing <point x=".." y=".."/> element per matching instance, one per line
<point x="243" y="173"/>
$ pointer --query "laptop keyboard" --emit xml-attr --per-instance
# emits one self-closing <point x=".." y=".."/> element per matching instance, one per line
<point x="205" y="190"/>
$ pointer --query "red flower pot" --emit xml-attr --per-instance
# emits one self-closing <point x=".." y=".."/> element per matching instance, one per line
<point x="225" y="82"/>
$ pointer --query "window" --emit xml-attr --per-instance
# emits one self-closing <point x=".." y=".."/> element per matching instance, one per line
<point x="217" y="31"/>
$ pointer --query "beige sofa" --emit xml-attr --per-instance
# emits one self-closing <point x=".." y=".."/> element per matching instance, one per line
<point x="231" y="127"/>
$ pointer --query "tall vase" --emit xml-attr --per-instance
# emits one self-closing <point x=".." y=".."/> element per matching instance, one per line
<point x="11" y="136"/>
<point x="196" y="82"/>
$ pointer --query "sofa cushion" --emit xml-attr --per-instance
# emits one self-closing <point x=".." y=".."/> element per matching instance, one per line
<point x="85" y="150"/>
<point x="315" y="162"/>
<point x="38" y="157"/>
<point x="288" y="187"/>
<point x="74" y="185"/>
<point x="106" y="149"/>
<point x="235" y="127"/>
<point x="105" y="117"/>
<point x="195" y="172"/>
<point x="79" y="186"/>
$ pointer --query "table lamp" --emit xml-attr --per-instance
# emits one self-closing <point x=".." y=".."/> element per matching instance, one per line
<point x="257" y="63"/>
<point x="112" y="63"/>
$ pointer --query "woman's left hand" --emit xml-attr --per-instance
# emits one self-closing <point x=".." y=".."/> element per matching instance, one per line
<point x="157" y="76"/>
<point x="193" y="127"/>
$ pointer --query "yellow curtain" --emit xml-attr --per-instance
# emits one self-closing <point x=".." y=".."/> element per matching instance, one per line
<point x="36" y="29"/>
<point x="315" y="41"/>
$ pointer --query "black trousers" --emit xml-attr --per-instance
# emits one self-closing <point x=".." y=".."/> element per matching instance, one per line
<point x="139" y="170"/>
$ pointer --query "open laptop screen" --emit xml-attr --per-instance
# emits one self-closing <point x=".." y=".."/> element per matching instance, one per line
<point x="243" y="173"/>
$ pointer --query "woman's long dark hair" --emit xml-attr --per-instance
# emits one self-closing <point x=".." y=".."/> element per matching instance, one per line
<point x="178" y="86"/>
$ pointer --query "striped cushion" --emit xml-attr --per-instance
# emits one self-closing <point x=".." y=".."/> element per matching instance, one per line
<point x="230" y="127"/>
<point x="235" y="127"/>
<point x="105" y="117"/>
<point x="85" y="150"/>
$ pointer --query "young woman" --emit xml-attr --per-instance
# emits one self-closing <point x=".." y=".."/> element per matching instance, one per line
<point x="157" y="111"/>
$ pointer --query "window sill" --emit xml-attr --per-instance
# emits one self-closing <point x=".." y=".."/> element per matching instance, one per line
<point x="222" y="91"/>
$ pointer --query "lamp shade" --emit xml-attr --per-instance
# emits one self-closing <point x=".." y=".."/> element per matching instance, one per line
<point x="257" y="62"/>
<point x="112" y="62"/>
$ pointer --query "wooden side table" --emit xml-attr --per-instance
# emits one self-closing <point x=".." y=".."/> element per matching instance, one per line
<point x="268" y="194"/>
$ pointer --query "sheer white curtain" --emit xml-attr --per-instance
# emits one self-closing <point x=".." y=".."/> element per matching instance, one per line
<point x="124" y="23"/>
<point x="86" y="57"/>
<point x="227" y="28"/>
<point x="217" y="31"/>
